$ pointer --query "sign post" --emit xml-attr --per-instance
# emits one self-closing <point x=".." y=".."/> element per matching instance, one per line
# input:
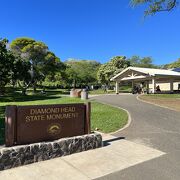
<point x="87" y="122"/>
<point x="10" y="125"/>
<point x="31" y="124"/>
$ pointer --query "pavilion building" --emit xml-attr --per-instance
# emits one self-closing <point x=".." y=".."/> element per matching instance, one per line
<point x="167" y="80"/>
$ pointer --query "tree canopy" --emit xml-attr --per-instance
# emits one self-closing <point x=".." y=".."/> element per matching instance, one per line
<point x="111" y="68"/>
<point x="28" y="63"/>
<point x="6" y="64"/>
<point x="145" y="62"/>
<point x="154" y="6"/>
<point x="43" y="62"/>
<point x="81" y="72"/>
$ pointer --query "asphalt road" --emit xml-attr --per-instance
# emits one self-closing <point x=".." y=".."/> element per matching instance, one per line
<point x="152" y="126"/>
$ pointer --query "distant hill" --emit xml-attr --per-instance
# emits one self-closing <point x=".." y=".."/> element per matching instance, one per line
<point x="174" y="65"/>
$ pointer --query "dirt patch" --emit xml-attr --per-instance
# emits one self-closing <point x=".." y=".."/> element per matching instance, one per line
<point x="173" y="103"/>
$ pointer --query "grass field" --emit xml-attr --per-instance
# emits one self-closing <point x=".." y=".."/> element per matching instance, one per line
<point x="171" y="101"/>
<point x="103" y="117"/>
<point x="157" y="96"/>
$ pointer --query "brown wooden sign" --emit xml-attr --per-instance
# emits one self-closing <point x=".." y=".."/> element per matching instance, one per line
<point x="30" y="124"/>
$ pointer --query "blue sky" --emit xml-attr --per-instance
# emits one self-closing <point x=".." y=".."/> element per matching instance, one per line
<point x="93" y="29"/>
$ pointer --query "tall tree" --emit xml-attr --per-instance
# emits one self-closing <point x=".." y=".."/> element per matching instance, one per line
<point x="6" y="64"/>
<point x="81" y="72"/>
<point x="53" y="69"/>
<point x="43" y="62"/>
<point x="111" y="68"/>
<point x="154" y="6"/>
<point x="33" y="51"/>
<point x="145" y="62"/>
<point x="22" y="74"/>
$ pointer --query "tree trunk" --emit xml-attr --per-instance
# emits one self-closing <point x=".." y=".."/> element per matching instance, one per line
<point x="2" y="91"/>
<point x="34" y="88"/>
<point x="24" y="92"/>
<point x="74" y="84"/>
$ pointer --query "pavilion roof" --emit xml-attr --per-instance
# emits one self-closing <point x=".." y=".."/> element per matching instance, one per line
<point x="148" y="71"/>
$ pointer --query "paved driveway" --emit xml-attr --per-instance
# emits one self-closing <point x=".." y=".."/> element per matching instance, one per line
<point x="152" y="126"/>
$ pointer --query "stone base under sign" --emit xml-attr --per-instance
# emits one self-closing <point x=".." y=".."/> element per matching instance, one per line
<point x="26" y="154"/>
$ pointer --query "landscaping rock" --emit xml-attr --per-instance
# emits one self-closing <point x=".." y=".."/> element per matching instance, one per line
<point x="26" y="154"/>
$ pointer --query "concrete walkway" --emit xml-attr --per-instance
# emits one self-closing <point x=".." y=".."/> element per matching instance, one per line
<point x="118" y="154"/>
<point x="152" y="126"/>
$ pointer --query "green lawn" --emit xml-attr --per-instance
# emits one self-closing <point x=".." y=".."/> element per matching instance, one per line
<point x="125" y="89"/>
<point x="104" y="117"/>
<point x="107" y="118"/>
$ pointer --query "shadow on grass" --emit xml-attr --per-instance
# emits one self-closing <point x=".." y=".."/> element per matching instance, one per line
<point x="18" y="97"/>
<point x="12" y="96"/>
<point x="58" y="91"/>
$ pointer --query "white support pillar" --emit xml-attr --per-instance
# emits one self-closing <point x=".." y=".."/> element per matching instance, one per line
<point x="153" y="85"/>
<point x="147" y="86"/>
<point x="132" y="86"/>
<point x="117" y="87"/>
<point x="171" y="86"/>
